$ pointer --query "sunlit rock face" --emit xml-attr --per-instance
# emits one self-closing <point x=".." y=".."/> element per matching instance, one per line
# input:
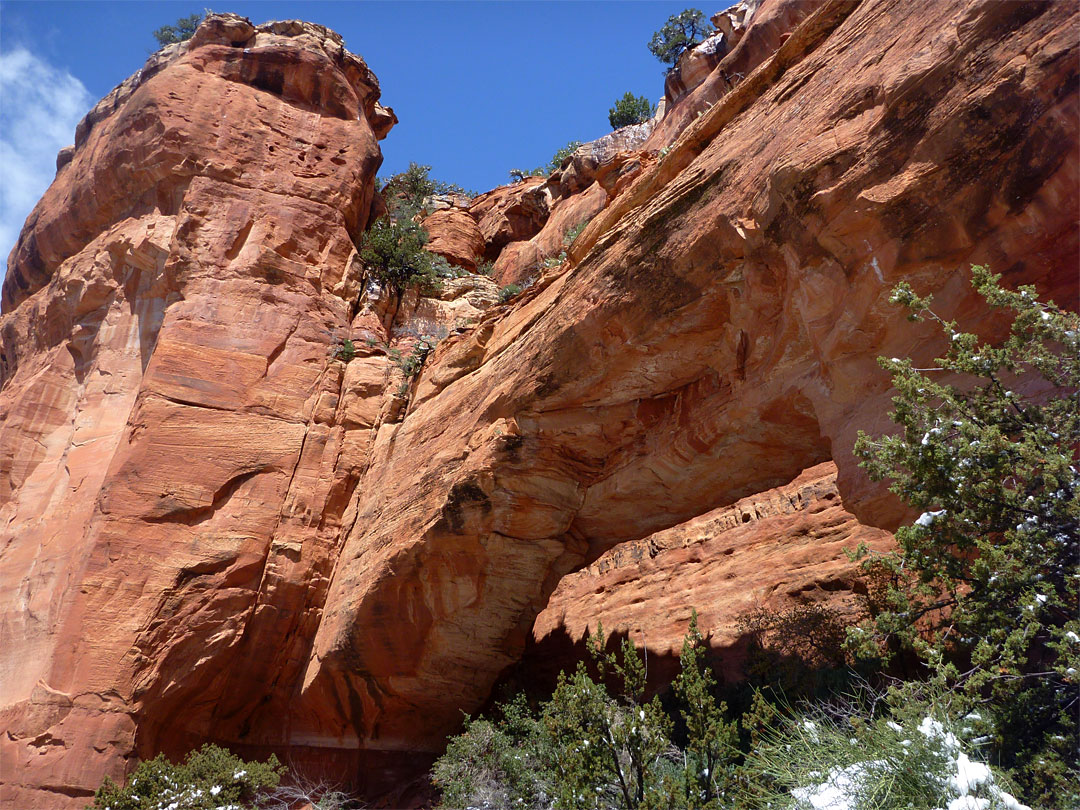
<point x="173" y="473"/>
<point x="213" y="528"/>
<point x="747" y="35"/>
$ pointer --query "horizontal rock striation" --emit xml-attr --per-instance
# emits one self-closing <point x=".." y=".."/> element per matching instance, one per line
<point x="770" y="550"/>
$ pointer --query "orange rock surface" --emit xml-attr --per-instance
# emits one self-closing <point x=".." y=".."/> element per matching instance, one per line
<point x="714" y="334"/>
<point x="211" y="528"/>
<point x="510" y="213"/>
<point x="768" y="550"/>
<point x="172" y="471"/>
<point x="752" y="31"/>
<point x="455" y="236"/>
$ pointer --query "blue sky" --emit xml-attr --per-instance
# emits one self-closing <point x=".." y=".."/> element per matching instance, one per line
<point x="479" y="87"/>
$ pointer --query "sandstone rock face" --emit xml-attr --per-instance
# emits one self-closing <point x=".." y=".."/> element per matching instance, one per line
<point x="522" y="262"/>
<point x="212" y="529"/>
<point x="751" y="32"/>
<point x="693" y="66"/>
<point x="511" y="213"/>
<point x="591" y="161"/>
<point x="714" y="335"/>
<point x="770" y="550"/>
<point x="172" y="470"/>
<point x="455" y="236"/>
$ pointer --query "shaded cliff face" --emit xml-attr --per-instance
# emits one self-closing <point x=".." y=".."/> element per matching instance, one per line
<point x="772" y="549"/>
<point x="212" y="529"/>
<point x="715" y="335"/>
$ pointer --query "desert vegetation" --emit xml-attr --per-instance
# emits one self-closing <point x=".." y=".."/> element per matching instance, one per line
<point x="680" y="33"/>
<point x="183" y="28"/>
<point x="392" y="248"/>
<point x="630" y="109"/>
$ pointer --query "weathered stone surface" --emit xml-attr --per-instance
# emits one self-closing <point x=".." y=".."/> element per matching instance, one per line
<point x="523" y="261"/>
<point x="511" y="213"/>
<point x="172" y="471"/>
<point x="455" y="236"/>
<point x="714" y="335"/>
<point x="693" y="66"/>
<point x="769" y="550"/>
<point x="752" y="32"/>
<point x="211" y="529"/>
<point x="309" y="74"/>
<point x="593" y="160"/>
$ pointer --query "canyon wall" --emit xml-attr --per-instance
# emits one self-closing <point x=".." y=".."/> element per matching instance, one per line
<point x="214" y="528"/>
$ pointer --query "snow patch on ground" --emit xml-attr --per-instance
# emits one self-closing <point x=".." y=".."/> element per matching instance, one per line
<point x="971" y="784"/>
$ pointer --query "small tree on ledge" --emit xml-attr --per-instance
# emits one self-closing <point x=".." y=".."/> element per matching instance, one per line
<point x="630" y="109"/>
<point x="681" y="32"/>
<point x="183" y="29"/>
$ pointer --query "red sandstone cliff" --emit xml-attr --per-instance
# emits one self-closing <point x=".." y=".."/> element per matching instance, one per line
<point x="211" y="529"/>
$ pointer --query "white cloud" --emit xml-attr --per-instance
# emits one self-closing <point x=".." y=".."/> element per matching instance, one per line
<point x="40" y="105"/>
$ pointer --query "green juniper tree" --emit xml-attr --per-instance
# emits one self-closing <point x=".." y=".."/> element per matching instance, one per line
<point x="393" y="251"/>
<point x="712" y="743"/>
<point x="183" y="29"/>
<point x="985" y="584"/>
<point x="495" y="763"/>
<point x="630" y="109"/>
<point x="681" y="32"/>
<point x="610" y="751"/>
<point x="406" y="191"/>
<point x="393" y="246"/>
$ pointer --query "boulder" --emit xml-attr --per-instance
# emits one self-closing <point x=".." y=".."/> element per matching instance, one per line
<point x="454" y="235"/>
<point x="511" y="213"/>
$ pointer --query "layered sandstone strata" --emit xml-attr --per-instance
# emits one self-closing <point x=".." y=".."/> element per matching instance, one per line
<point x="213" y="529"/>
<point x="177" y="445"/>
<point x="771" y="550"/>
<point x="713" y="335"/>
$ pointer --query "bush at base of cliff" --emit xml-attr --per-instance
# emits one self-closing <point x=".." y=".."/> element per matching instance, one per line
<point x="985" y="584"/>
<point x="589" y="748"/>
<point x="209" y="779"/>
<point x="846" y="755"/>
<point x="494" y="764"/>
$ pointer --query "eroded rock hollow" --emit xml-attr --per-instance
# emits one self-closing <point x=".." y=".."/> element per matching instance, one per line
<point x="213" y="528"/>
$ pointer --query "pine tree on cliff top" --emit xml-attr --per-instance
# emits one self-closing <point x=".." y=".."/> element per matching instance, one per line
<point x="680" y="33"/>
<point x="184" y="28"/>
